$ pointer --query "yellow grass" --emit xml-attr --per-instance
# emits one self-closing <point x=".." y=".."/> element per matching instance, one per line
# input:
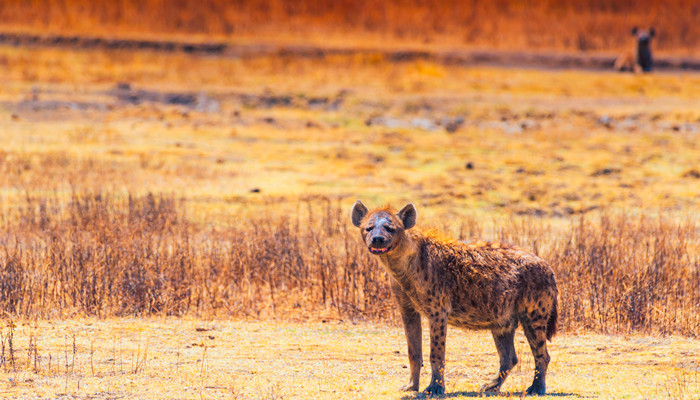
<point x="582" y="26"/>
<point x="576" y="124"/>
<point x="188" y="358"/>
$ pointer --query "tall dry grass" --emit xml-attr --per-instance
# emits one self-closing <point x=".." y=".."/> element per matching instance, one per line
<point x="621" y="273"/>
<point x="576" y="25"/>
<point x="109" y="255"/>
<point x="106" y="255"/>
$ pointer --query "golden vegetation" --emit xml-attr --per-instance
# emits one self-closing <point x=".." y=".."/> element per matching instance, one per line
<point x="101" y="255"/>
<point x="582" y="25"/>
<point x="108" y="256"/>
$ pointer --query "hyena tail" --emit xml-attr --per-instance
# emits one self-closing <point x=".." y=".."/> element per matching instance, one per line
<point x="552" y="322"/>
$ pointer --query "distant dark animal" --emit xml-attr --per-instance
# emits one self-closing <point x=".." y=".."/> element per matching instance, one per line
<point x="638" y="58"/>
<point x="482" y="285"/>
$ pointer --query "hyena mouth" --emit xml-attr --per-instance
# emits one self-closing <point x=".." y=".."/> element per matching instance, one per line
<point x="375" y="250"/>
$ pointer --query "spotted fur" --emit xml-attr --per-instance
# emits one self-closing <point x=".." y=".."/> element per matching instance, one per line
<point x="483" y="285"/>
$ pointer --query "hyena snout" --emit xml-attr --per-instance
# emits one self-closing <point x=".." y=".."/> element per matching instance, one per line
<point x="379" y="240"/>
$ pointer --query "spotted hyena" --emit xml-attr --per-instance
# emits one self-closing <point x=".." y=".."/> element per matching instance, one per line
<point x="474" y="286"/>
<point x="637" y="59"/>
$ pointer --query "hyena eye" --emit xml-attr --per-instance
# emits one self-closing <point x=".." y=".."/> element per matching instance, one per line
<point x="389" y="229"/>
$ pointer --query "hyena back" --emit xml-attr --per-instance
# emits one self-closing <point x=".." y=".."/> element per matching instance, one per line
<point x="474" y="286"/>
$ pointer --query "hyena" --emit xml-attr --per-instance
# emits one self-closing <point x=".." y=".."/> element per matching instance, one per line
<point x="637" y="59"/>
<point x="482" y="285"/>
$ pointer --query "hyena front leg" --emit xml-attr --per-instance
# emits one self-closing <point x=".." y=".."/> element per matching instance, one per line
<point x="504" y="339"/>
<point x="438" y="332"/>
<point x="414" y="337"/>
<point x="535" y="327"/>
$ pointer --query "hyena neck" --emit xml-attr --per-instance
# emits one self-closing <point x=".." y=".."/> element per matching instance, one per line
<point x="401" y="263"/>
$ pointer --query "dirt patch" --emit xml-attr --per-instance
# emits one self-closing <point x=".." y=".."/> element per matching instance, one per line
<point x="196" y="100"/>
<point x="450" y="124"/>
<point x="269" y="99"/>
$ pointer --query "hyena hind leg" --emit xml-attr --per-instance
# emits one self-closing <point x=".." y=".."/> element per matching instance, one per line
<point x="536" y="333"/>
<point x="506" y="353"/>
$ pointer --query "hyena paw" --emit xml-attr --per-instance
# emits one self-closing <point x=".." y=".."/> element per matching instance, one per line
<point x="435" y="388"/>
<point x="411" y="387"/>
<point x="537" y="388"/>
<point x="491" y="387"/>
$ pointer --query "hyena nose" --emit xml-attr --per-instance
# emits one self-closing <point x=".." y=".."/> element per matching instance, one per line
<point x="377" y="240"/>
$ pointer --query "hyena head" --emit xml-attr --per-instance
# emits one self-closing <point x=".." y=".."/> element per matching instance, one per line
<point x="382" y="230"/>
<point x="643" y="47"/>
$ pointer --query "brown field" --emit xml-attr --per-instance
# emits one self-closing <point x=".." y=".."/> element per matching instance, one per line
<point x="590" y="25"/>
<point x="177" y="225"/>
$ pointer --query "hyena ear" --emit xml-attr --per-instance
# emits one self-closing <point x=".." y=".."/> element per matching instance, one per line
<point x="358" y="212"/>
<point x="634" y="30"/>
<point x="408" y="216"/>
<point x="652" y="32"/>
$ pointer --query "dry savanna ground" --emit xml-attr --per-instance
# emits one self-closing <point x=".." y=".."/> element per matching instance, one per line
<point x="453" y="139"/>
<point x="183" y="358"/>
<point x="253" y="164"/>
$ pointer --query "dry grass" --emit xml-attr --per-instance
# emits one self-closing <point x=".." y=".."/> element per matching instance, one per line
<point x="168" y="358"/>
<point x="101" y="255"/>
<point x="590" y="25"/>
<point x="109" y="256"/>
<point x="539" y="142"/>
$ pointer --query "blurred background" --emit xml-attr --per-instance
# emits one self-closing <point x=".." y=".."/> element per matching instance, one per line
<point x="582" y="25"/>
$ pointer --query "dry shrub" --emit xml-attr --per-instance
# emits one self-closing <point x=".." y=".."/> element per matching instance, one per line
<point x="577" y="25"/>
<point x="108" y="255"/>
<point x="625" y="274"/>
<point x="620" y="273"/>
